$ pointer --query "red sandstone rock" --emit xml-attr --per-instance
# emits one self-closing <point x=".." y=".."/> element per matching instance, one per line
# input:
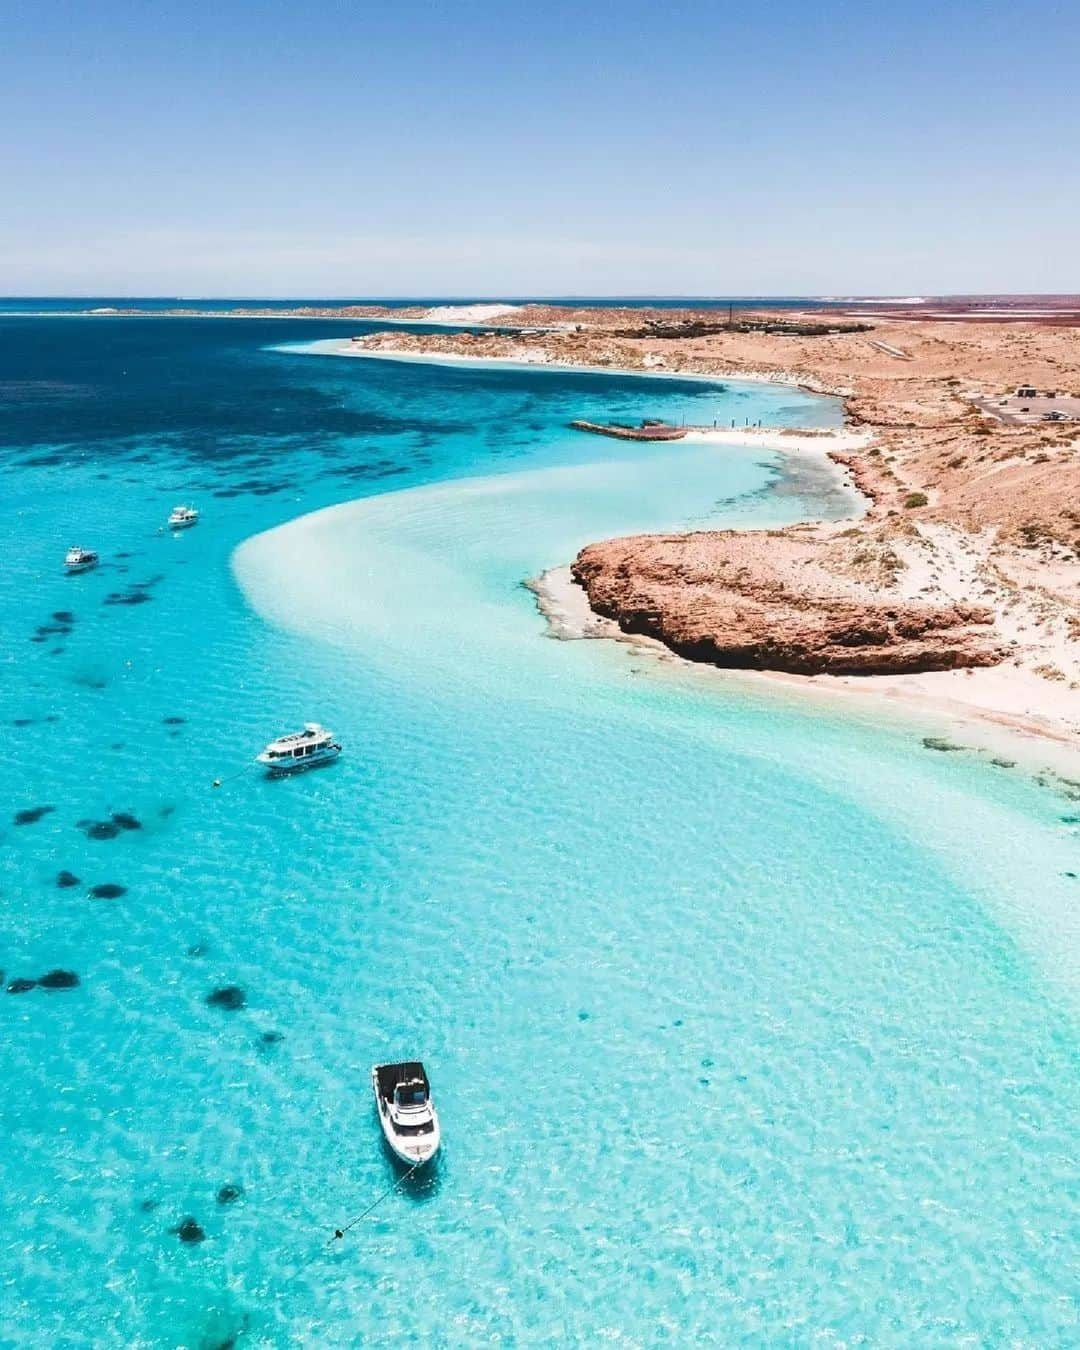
<point x="766" y="601"/>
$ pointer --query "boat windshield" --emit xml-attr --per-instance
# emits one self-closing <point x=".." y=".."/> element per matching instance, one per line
<point x="410" y="1094"/>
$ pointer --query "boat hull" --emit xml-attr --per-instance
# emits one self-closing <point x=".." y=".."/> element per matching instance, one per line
<point x="410" y="1155"/>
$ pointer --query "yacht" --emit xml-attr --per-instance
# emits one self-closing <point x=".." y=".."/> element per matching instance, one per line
<point x="300" y="750"/>
<point x="406" y="1113"/>
<point x="181" y="517"/>
<point x="80" y="559"/>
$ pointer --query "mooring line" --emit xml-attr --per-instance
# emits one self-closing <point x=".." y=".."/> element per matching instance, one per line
<point x="232" y="776"/>
<point x="339" y="1233"/>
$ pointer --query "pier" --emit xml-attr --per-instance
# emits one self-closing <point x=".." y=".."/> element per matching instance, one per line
<point x="647" y="431"/>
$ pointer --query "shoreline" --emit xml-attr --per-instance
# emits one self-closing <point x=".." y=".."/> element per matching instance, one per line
<point x="999" y="695"/>
<point x="565" y="608"/>
<point x="957" y="534"/>
<point x="468" y="361"/>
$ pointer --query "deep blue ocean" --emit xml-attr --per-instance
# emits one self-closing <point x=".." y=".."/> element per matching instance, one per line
<point x="751" y="1019"/>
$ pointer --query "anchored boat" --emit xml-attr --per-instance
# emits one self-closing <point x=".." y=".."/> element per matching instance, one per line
<point x="182" y="517"/>
<point x="300" y="750"/>
<point x="80" y="559"/>
<point x="406" y="1113"/>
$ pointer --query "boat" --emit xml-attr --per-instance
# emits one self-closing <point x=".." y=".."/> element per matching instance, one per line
<point x="80" y="559"/>
<point x="300" y="750"/>
<point x="182" y="517"/>
<point x="406" y="1113"/>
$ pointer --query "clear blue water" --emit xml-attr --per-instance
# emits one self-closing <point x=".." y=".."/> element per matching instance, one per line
<point x="749" y="1023"/>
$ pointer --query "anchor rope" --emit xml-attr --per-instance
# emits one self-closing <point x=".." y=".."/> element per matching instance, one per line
<point x="339" y="1233"/>
<point x="229" y="778"/>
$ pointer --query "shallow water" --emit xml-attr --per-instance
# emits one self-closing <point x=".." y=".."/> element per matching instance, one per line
<point x="747" y="1023"/>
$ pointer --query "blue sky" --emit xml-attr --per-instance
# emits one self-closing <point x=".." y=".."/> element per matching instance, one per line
<point x="479" y="148"/>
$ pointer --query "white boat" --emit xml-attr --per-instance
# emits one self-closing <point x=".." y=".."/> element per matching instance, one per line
<point x="406" y="1114"/>
<point x="181" y="517"/>
<point x="80" y="559"/>
<point x="300" y="750"/>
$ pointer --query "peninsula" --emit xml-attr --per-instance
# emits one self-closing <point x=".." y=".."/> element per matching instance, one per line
<point x="960" y="584"/>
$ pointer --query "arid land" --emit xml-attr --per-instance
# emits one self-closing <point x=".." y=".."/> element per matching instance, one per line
<point x="961" y="584"/>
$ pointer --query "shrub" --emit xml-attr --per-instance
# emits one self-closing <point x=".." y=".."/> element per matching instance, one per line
<point x="914" y="499"/>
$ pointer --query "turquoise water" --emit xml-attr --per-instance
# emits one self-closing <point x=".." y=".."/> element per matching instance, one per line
<point x="749" y="1023"/>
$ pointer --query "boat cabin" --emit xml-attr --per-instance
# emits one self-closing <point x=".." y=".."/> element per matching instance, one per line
<point x="406" y="1085"/>
<point x="300" y="749"/>
<point x="291" y="751"/>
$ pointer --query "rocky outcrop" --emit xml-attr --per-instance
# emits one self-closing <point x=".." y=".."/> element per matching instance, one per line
<point x="773" y="601"/>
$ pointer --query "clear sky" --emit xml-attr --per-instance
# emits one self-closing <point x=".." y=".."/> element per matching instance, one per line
<point x="488" y="147"/>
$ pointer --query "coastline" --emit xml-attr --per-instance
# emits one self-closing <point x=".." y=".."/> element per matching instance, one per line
<point x="966" y="559"/>
<point x="999" y="696"/>
<point x="1039" y="747"/>
<point x="465" y="361"/>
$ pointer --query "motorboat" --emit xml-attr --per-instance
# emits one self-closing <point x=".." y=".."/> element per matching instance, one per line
<point x="183" y="517"/>
<point x="80" y="559"/>
<point x="300" y="750"/>
<point x="406" y="1112"/>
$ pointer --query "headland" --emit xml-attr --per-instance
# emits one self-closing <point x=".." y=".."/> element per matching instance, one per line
<point x="960" y="584"/>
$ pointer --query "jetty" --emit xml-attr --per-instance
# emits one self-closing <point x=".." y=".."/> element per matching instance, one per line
<point x="648" y="430"/>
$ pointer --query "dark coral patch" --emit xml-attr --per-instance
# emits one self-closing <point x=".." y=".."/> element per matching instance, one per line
<point x="138" y="593"/>
<point x="108" y="890"/>
<point x="230" y="997"/>
<point x="135" y="596"/>
<point x="126" y="820"/>
<point x="272" y="1037"/>
<point x="65" y="880"/>
<point x="190" y="1231"/>
<point x="59" y="979"/>
<point x="21" y="986"/>
<point x="940" y="743"/>
<point x="228" y="1194"/>
<point x="99" y="829"/>
<point x="174" y="721"/>
<point x="30" y="815"/>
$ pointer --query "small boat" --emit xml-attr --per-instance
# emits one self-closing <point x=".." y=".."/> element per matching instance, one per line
<point x="406" y="1113"/>
<point x="300" y="750"/>
<point x="80" y="559"/>
<point x="182" y="517"/>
